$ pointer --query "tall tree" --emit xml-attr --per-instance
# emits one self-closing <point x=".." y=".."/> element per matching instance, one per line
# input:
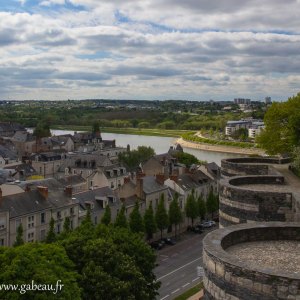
<point x="106" y="219"/>
<point x="67" y="225"/>
<point x="121" y="220"/>
<point x="51" y="236"/>
<point x="201" y="208"/>
<point x="282" y="127"/>
<point x="42" y="264"/>
<point x="161" y="215"/>
<point x="191" y="207"/>
<point x="19" y="238"/>
<point x="149" y="222"/>
<point x="212" y="203"/>
<point x="175" y="214"/>
<point x="41" y="130"/>
<point x="136" y="223"/>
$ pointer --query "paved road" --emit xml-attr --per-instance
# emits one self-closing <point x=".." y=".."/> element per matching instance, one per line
<point x="177" y="269"/>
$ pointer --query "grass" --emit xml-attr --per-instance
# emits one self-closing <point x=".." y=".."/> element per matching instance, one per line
<point x="137" y="131"/>
<point x="190" y="292"/>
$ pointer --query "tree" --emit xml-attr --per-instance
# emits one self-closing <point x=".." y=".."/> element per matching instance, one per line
<point x="51" y="236"/>
<point x="41" y="130"/>
<point x="161" y="215"/>
<point x="201" y="208"/>
<point x="131" y="159"/>
<point x="282" y="127"/>
<point x="191" y="207"/>
<point x="175" y="214"/>
<point x="212" y="204"/>
<point x="38" y="263"/>
<point x="136" y="223"/>
<point x="186" y="158"/>
<point x="67" y="225"/>
<point x="19" y="238"/>
<point x="149" y="222"/>
<point x="119" y="265"/>
<point x="96" y="127"/>
<point x="106" y="219"/>
<point x="121" y="220"/>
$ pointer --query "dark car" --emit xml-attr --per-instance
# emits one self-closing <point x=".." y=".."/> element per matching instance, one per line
<point x="169" y="241"/>
<point x="195" y="229"/>
<point x="156" y="245"/>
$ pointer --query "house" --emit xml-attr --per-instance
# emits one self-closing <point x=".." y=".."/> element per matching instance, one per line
<point x="96" y="200"/>
<point x="83" y="163"/>
<point x="63" y="142"/>
<point x="24" y="142"/>
<point x="8" y="129"/>
<point x="159" y="164"/>
<point x="47" y="164"/>
<point x="21" y="171"/>
<point x="7" y="156"/>
<point x="193" y="180"/>
<point x="34" y="210"/>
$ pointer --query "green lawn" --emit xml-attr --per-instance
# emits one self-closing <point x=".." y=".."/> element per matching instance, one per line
<point x="190" y="292"/>
<point x="144" y="131"/>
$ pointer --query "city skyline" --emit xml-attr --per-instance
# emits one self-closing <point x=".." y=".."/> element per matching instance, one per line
<point x="194" y="50"/>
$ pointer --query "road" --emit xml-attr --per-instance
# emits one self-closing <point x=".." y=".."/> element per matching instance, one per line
<point x="177" y="265"/>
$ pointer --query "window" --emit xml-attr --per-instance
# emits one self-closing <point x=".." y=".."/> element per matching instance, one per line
<point x="71" y="210"/>
<point x="1" y="242"/>
<point x="58" y="228"/>
<point x="71" y="224"/>
<point x="112" y="185"/>
<point x="30" y="237"/>
<point x="43" y="218"/>
<point x="18" y="222"/>
<point x="30" y="221"/>
<point x="58" y="215"/>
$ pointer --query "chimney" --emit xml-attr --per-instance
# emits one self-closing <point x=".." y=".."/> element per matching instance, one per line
<point x="68" y="190"/>
<point x="43" y="190"/>
<point x="139" y="187"/>
<point x="126" y="180"/>
<point x="160" y="178"/>
<point x="174" y="178"/>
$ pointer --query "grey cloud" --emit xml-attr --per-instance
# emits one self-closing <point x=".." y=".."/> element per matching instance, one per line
<point x="145" y="71"/>
<point x="82" y="75"/>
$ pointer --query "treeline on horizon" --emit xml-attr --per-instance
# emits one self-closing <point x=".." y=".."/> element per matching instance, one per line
<point x="165" y="115"/>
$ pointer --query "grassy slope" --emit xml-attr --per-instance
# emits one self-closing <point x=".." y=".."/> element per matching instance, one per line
<point x="137" y="131"/>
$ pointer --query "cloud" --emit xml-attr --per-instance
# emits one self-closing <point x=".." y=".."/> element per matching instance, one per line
<point x="150" y="49"/>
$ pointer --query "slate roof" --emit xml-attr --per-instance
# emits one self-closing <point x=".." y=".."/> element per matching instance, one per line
<point x="51" y="183"/>
<point x="150" y="185"/>
<point x="71" y="180"/>
<point x="192" y="181"/>
<point x="6" y="153"/>
<point x="21" y="136"/>
<point x="25" y="203"/>
<point x="91" y="196"/>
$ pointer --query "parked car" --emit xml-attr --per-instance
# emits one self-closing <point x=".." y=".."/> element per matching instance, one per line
<point x="206" y="224"/>
<point x="195" y="229"/>
<point x="156" y="245"/>
<point x="169" y="241"/>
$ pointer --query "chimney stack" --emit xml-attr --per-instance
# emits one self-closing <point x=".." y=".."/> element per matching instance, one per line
<point x="43" y="190"/>
<point x="160" y="178"/>
<point x="69" y="190"/>
<point x="174" y="178"/>
<point x="139" y="187"/>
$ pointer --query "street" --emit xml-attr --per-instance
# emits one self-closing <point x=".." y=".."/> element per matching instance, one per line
<point x="177" y="265"/>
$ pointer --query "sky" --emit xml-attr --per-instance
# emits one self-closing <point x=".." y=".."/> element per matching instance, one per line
<point x="149" y="49"/>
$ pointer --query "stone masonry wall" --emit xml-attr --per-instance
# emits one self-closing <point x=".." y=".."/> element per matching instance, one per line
<point x="227" y="278"/>
<point x="242" y="205"/>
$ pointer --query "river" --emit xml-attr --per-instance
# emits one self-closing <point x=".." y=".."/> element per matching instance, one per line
<point x="158" y="143"/>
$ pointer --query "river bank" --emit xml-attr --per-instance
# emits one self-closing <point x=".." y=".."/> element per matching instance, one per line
<point x="135" y="131"/>
<point x="219" y="148"/>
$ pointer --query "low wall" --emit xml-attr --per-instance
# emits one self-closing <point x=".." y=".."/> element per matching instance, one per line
<point x="227" y="277"/>
<point x="241" y="205"/>
<point x="249" y="165"/>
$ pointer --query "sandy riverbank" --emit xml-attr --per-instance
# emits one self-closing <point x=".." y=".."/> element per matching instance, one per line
<point x="219" y="148"/>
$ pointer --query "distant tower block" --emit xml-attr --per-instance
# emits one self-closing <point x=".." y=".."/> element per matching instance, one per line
<point x="268" y="100"/>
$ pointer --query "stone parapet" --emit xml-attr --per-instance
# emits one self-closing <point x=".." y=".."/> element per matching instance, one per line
<point x="228" y="277"/>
